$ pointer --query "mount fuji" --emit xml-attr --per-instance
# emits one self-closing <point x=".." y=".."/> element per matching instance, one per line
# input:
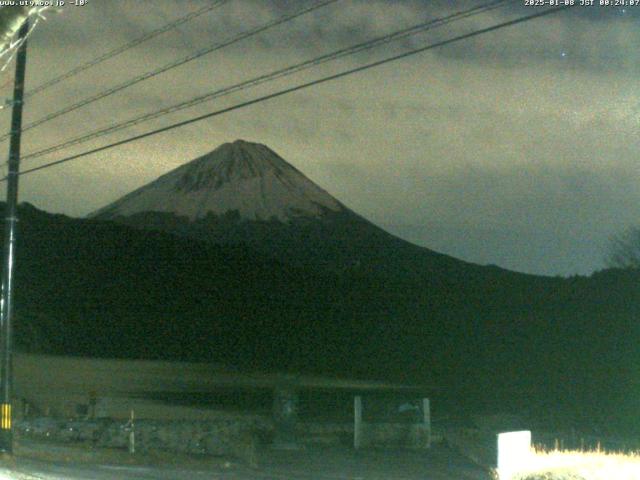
<point x="245" y="193"/>
<point x="246" y="178"/>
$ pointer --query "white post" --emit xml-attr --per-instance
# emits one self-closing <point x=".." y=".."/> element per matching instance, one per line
<point x="514" y="453"/>
<point x="357" y="422"/>
<point x="426" y="410"/>
<point x="132" y="435"/>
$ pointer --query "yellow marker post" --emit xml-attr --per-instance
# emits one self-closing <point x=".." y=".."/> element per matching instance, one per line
<point x="5" y="416"/>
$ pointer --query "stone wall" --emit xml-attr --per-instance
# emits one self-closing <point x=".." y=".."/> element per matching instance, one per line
<point x="234" y="436"/>
<point x="229" y="435"/>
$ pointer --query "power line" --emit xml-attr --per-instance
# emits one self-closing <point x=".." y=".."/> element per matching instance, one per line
<point x="298" y="87"/>
<point x="413" y="30"/>
<point x="172" y="65"/>
<point x="123" y="48"/>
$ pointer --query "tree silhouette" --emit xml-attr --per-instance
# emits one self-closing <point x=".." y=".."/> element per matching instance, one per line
<point x="625" y="249"/>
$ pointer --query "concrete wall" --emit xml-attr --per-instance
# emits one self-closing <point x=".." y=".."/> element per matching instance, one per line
<point x="405" y="435"/>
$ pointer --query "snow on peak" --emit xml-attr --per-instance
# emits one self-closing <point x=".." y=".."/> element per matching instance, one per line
<point x="246" y="177"/>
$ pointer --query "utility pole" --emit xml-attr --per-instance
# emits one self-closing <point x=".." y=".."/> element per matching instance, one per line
<point x="6" y="303"/>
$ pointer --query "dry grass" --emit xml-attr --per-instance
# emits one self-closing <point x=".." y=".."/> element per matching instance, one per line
<point x="580" y="465"/>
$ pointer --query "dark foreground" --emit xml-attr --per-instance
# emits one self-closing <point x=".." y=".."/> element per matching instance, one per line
<point x="46" y="461"/>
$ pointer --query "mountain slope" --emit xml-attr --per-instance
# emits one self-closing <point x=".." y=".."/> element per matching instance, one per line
<point x="244" y="193"/>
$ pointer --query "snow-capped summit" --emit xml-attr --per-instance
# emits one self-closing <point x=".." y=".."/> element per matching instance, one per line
<point x="241" y="176"/>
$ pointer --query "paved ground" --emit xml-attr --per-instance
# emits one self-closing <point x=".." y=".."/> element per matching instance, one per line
<point x="439" y="464"/>
<point x="323" y="464"/>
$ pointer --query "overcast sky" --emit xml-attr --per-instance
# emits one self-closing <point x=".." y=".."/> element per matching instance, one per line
<point x="517" y="148"/>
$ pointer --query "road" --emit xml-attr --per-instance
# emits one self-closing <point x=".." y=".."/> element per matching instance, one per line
<point x="317" y="464"/>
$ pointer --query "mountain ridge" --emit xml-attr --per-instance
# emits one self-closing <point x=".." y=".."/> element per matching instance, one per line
<point x="306" y="225"/>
